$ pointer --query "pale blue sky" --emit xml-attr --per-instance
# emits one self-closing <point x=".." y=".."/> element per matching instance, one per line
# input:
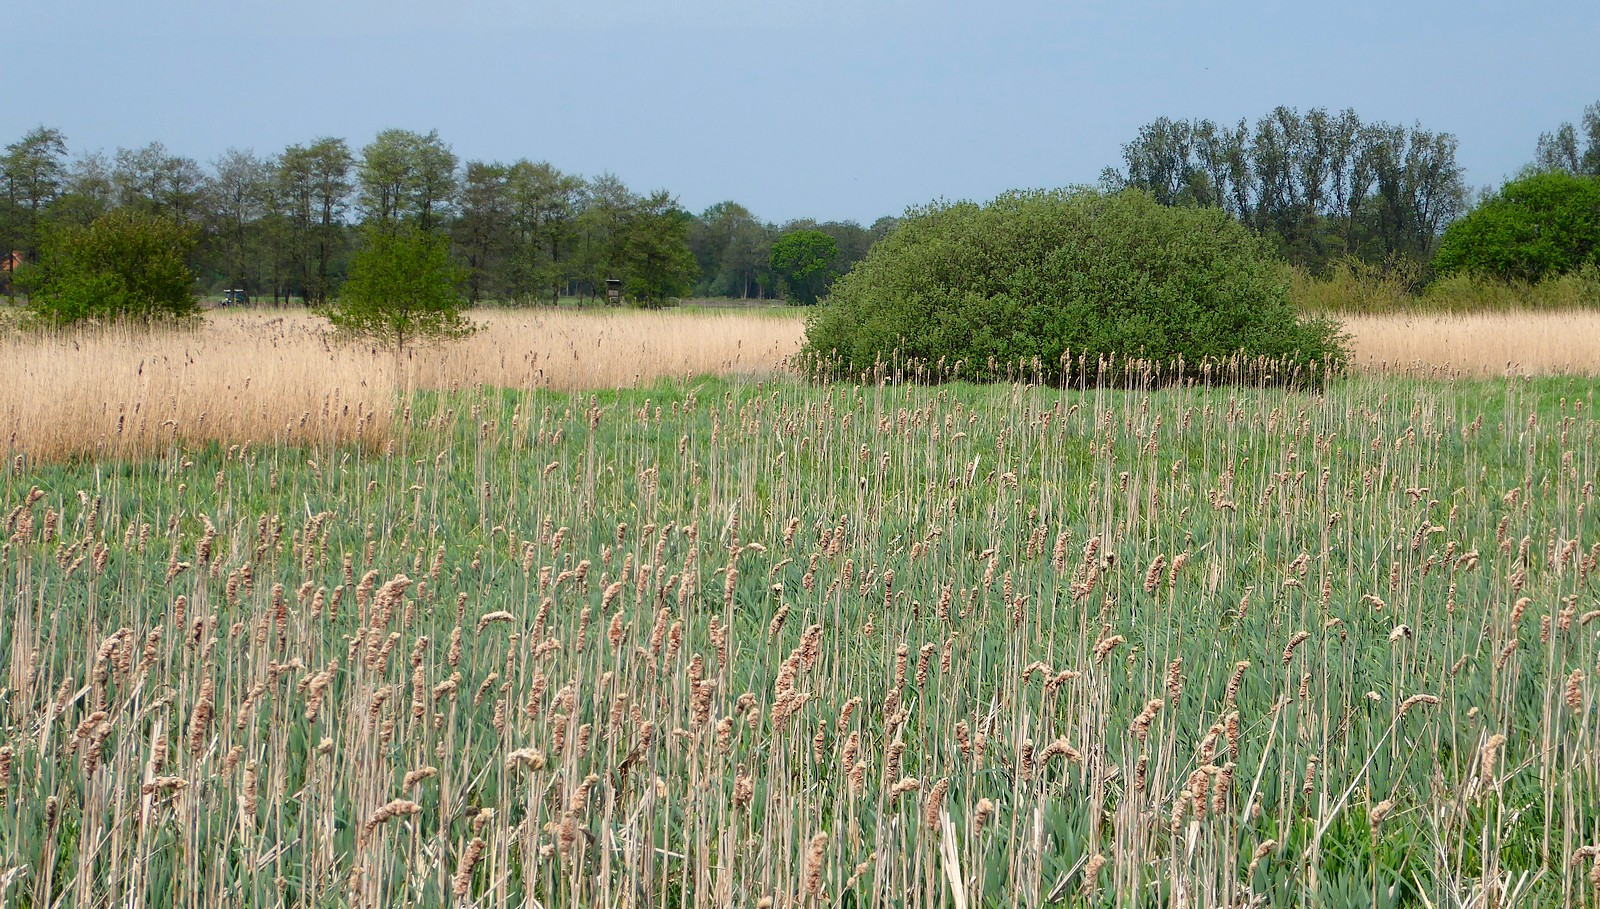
<point x="823" y="108"/>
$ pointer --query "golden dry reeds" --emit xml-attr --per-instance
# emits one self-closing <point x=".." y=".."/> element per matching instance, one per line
<point x="271" y="377"/>
<point x="1478" y="344"/>
<point x="274" y="377"/>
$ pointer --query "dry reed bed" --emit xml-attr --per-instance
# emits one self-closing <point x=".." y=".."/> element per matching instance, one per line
<point x="245" y="378"/>
<point x="1482" y="344"/>
<point x="788" y="647"/>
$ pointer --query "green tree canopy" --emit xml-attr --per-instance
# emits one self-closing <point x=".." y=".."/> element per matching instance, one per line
<point x="154" y="180"/>
<point x="87" y="191"/>
<point x="401" y="289"/>
<point x="406" y="176"/>
<point x="32" y="172"/>
<point x="803" y="259"/>
<point x="313" y="190"/>
<point x="733" y="249"/>
<point x="1535" y="227"/>
<point x="660" y="263"/>
<point x="239" y="195"/>
<point x="1040" y="276"/>
<point x="482" y="233"/>
<point x="545" y="205"/>
<point x="125" y="265"/>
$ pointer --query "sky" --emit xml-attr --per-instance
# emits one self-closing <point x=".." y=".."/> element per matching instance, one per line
<point x="829" y="109"/>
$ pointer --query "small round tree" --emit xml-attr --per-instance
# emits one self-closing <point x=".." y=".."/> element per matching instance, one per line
<point x="401" y="289"/>
<point x="1537" y="227"/>
<point x="123" y="266"/>
<point x="802" y="260"/>
<point x="1044" y="278"/>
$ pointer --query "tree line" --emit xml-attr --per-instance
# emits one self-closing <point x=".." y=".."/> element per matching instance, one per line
<point x="1321" y="185"/>
<point x="284" y="226"/>
<point x="1329" y="188"/>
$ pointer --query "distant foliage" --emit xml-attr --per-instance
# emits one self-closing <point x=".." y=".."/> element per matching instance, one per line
<point x="123" y="266"/>
<point x="1572" y="149"/>
<point x="660" y="266"/>
<point x="802" y="260"/>
<point x="1044" y="276"/>
<point x="1539" y="226"/>
<point x="1355" y="287"/>
<point x="401" y="289"/>
<point x="1321" y="185"/>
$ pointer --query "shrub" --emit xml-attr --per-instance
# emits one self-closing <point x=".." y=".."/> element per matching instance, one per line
<point x="1049" y="277"/>
<point x="1539" y="226"/>
<point x="1351" y="285"/>
<point x="123" y="266"/>
<point x="1354" y="287"/>
<point x="1465" y="293"/>
<point x="401" y="288"/>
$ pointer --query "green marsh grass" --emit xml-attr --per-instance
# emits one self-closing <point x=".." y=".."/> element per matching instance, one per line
<point x="738" y="643"/>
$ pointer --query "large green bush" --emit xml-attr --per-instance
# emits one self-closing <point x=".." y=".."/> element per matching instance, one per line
<point x="401" y="289"/>
<point x="124" y="266"/>
<point x="1534" y="228"/>
<point x="1044" y="277"/>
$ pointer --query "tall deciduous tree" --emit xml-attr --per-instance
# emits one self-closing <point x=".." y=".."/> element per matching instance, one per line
<point x="483" y="231"/>
<point x="154" y="180"/>
<point x="804" y="259"/>
<point x="239" y="191"/>
<point x="1573" y="149"/>
<point x="546" y="205"/>
<point x="87" y="191"/>
<point x="603" y="230"/>
<point x="1321" y="185"/>
<point x="731" y="248"/>
<point x="315" y="182"/>
<point x="660" y="265"/>
<point x="852" y="241"/>
<point x="745" y="269"/>
<point x="407" y="177"/>
<point x="32" y="175"/>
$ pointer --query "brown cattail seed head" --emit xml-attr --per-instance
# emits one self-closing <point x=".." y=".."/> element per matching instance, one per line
<point x="934" y="803"/>
<point x="462" y="882"/>
<point x="982" y="815"/>
<point x="1490" y="757"/>
<point x="816" y="855"/>
<point x="1141" y="723"/>
<point x="1294" y="642"/>
<point x="1234" y="681"/>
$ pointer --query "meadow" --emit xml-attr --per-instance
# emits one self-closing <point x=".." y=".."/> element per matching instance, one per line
<point x="750" y="641"/>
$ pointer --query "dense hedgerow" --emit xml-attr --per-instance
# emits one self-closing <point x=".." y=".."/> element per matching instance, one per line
<point x="1045" y="278"/>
